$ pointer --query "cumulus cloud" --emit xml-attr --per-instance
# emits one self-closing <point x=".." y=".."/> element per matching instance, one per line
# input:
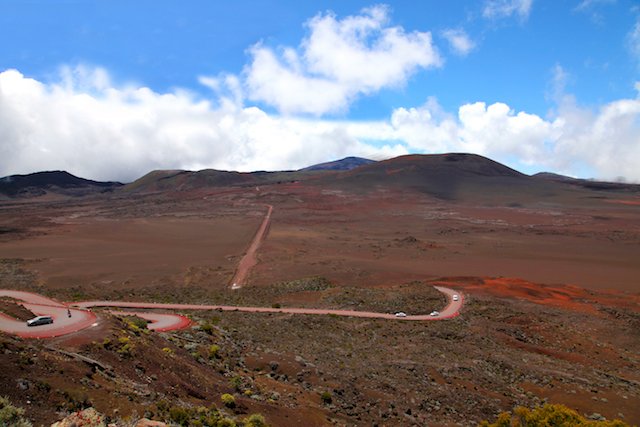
<point x="606" y="140"/>
<point x="494" y="9"/>
<point x="339" y="60"/>
<point x="86" y="125"/>
<point x="459" y="41"/>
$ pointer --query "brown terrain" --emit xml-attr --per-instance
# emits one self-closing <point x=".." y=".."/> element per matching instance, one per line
<point x="549" y="269"/>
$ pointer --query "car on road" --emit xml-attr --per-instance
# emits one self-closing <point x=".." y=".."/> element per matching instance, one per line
<point x="456" y="297"/>
<point x="401" y="314"/>
<point x="434" y="313"/>
<point x="40" y="320"/>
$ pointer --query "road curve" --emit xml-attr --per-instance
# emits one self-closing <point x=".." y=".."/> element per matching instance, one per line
<point x="452" y="309"/>
<point x="73" y="317"/>
<point x="160" y="322"/>
<point x="43" y="306"/>
<point x="82" y="317"/>
<point x="249" y="259"/>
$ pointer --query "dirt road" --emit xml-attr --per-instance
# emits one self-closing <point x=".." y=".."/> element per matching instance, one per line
<point x="249" y="259"/>
<point x="43" y="306"/>
<point x="82" y="317"/>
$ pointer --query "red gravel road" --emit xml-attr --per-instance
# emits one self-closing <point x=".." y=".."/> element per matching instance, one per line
<point x="82" y="317"/>
<point x="43" y="306"/>
<point x="249" y="259"/>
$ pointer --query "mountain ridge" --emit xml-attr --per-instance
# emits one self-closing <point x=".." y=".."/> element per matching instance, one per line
<point x="40" y="183"/>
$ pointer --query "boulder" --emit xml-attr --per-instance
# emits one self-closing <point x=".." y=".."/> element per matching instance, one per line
<point x="86" y="418"/>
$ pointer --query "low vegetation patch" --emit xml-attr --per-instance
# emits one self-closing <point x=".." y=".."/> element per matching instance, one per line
<point x="548" y="415"/>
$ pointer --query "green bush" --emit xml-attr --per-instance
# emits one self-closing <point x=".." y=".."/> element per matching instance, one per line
<point x="11" y="415"/>
<point x="228" y="400"/>
<point x="214" y="351"/>
<point x="179" y="415"/>
<point x="207" y="327"/>
<point x="326" y="397"/>
<point x="254" y="420"/>
<point x="547" y="415"/>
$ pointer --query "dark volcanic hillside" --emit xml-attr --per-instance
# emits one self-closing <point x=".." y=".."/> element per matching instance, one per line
<point x="178" y="180"/>
<point x="446" y="176"/>
<point x="347" y="163"/>
<point x="40" y="183"/>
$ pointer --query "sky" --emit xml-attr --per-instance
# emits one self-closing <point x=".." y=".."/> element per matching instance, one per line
<point x="112" y="89"/>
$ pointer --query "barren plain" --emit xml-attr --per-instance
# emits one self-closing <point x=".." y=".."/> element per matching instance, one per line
<point x="551" y="314"/>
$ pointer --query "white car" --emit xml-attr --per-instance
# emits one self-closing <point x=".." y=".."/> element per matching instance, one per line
<point x="456" y="297"/>
<point x="40" y="320"/>
<point x="434" y="313"/>
<point x="401" y="314"/>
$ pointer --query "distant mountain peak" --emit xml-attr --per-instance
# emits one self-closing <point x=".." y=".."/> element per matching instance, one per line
<point x="39" y="183"/>
<point x="345" y="164"/>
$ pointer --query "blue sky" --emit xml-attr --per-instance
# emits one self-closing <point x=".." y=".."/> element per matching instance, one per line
<point x="247" y="85"/>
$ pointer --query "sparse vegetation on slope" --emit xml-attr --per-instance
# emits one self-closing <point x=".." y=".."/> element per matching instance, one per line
<point x="551" y="416"/>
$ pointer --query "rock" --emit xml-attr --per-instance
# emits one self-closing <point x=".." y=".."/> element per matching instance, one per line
<point x="85" y="418"/>
<point x="191" y="346"/>
<point x="23" y="384"/>
<point x="145" y="422"/>
<point x="274" y="365"/>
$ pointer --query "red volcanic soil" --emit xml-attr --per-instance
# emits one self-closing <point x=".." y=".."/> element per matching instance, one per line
<point x="549" y="272"/>
<point x="135" y="251"/>
<point x="626" y="202"/>
<point x="566" y="297"/>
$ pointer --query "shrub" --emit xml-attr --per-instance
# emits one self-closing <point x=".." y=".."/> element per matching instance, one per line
<point x="179" y="415"/>
<point x="254" y="420"/>
<point x="214" y="351"/>
<point x="168" y="350"/>
<point x="11" y="415"/>
<point x="547" y="415"/>
<point x="135" y="323"/>
<point x="76" y="400"/>
<point x="236" y="382"/>
<point x="228" y="400"/>
<point x="326" y="397"/>
<point x="207" y="327"/>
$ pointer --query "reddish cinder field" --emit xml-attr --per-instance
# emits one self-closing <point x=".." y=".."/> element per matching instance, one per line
<point x="552" y="304"/>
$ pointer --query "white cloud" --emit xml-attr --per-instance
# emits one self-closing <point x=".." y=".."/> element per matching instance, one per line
<point x="338" y="61"/>
<point x="87" y="126"/>
<point x="459" y="41"/>
<point x="494" y="9"/>
<point x="606" y="140"/>
<point x="633" y="39"/>
<point x="587" y="4"/>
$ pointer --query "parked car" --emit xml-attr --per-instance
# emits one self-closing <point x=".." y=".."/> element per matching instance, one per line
<point x="40" y="320"/>
<point x="434" y="313"/>
<point x="456" y="297"/>
<point x="401" y="314"/>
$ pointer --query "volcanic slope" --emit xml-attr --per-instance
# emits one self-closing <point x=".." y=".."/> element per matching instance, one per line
<point x="454" y="177"/>
<point x="180" y="180"/>
<point x="40" y="183"/>
<point x="347" y="163"/>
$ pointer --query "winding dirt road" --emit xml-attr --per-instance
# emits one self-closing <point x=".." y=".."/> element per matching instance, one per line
<point x="82" y="317"/>
<point x="73" y="317"/>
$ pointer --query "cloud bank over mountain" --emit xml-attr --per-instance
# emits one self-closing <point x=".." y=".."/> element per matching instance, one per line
<point x="277" y="113"/>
